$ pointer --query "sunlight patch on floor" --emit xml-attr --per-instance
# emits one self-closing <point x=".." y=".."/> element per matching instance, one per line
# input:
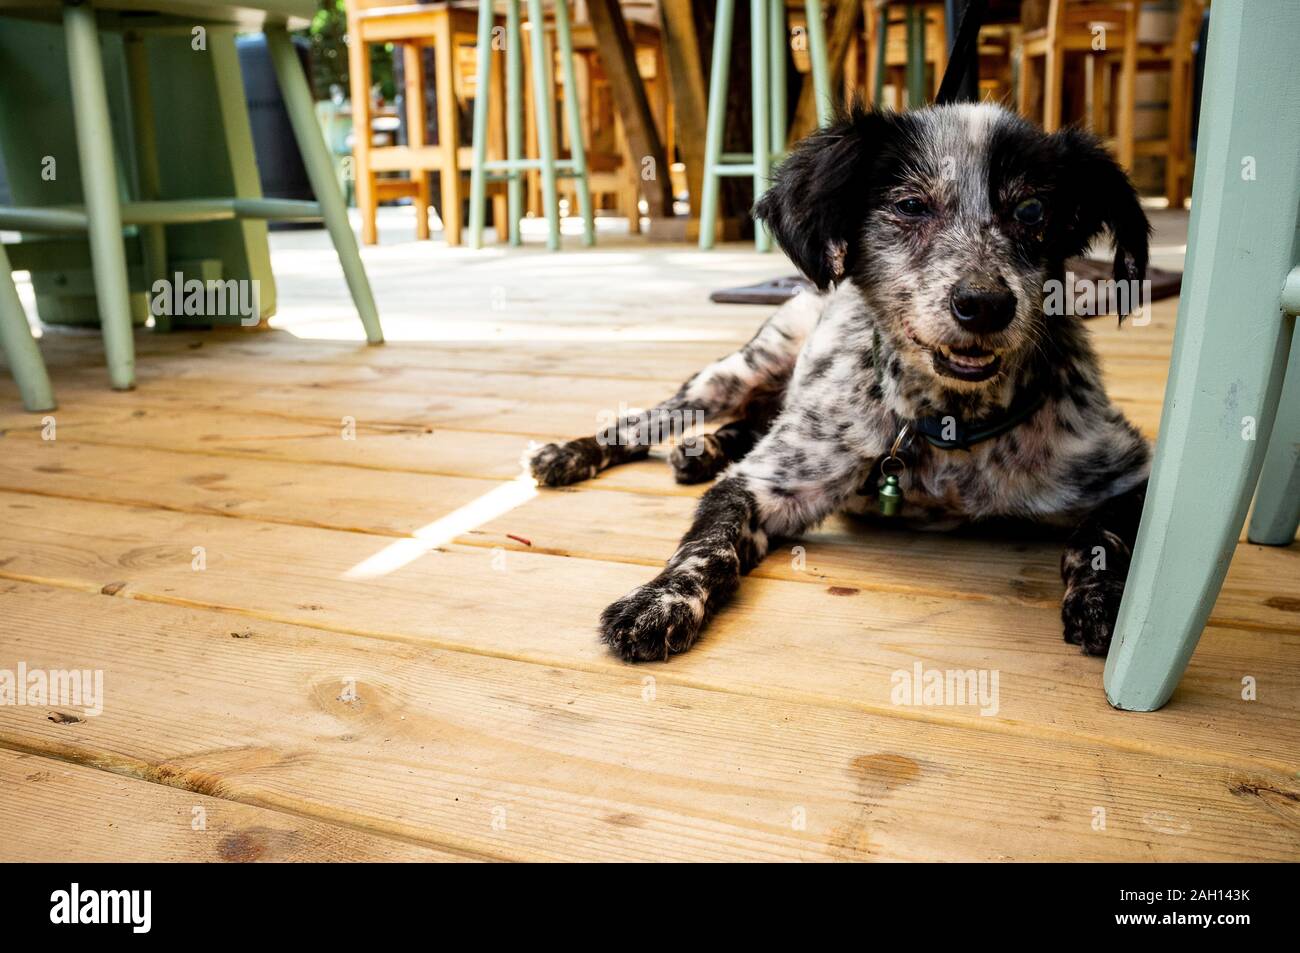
<point x="489" y="506"/>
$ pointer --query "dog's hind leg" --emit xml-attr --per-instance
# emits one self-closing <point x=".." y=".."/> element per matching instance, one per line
<point x="701" y="458"/>
<point x="721" y="390"/>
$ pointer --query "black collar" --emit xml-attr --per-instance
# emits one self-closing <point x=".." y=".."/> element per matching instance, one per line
<point x="963" y="436"/>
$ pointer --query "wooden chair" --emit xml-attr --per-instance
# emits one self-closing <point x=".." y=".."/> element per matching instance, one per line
<point x="1086" y="28"/>
<point x="447" y="27"/>
<point x="1174" y="56"/>
<point x="1231" y="374"/>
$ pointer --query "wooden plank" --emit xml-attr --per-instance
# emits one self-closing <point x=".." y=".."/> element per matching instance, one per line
<point x="56" y="811"/>
<point x="779" y="640"/>
<point x="615" y="350"/>
<point x="844" y="552"/>
<point x="1138" y="378"/>
<point x="514" y="760"/>
<point x="414" y="449"/>
<point x="618" y="58"/>
<point x="527" y="407"/>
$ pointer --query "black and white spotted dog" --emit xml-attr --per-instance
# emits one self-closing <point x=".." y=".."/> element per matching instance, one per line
<point x="932" y="235"/>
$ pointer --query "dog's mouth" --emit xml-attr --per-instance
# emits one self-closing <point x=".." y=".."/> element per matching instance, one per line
<point x="973" y="364"/>
<point x="965" y="363"/>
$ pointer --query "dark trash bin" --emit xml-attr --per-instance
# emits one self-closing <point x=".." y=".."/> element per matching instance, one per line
<point x="279" y="163"/>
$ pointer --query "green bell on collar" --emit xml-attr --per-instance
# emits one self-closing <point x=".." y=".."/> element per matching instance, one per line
<point x="890" y="497"/>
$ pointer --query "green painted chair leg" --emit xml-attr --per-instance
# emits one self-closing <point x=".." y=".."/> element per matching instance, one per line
<point x="482" y="96"/>
<point x="777" y="38"/>
<point x="821" y="71"/>
<point x="573" y="120"/>
<point x="99" y="182"/>
<point x="916" y="97"/>
<point x="1230" y="349"/>
<point x="545" y="128"/>
<point x="320" y="172"/>
<point x="719" y="69"/>
<point x="19" y="346"/>
<point x="153" y="238"/>
<point x="882" y="46"/>
<point x="514" y="118"/>
<point x="759" y="27"/>
<point x="1277" y="501"/>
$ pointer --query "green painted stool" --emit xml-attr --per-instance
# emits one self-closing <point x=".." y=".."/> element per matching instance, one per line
<point x="1236" y="325"/>
<point x="104" y="213"/>
<point x="916" y="92"/>
<point x="767" y="33"/>
<point x="512" y="168"/>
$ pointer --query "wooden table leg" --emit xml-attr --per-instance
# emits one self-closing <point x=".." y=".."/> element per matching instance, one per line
<point x="448" y="129"/>
<point x="413" y="89"/>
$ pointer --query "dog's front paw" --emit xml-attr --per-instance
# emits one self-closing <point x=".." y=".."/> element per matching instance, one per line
<point x="652" y="621"/>
<point x="561" y="464"/>
<point x="697" y="459"/>
<point x="1089" y="611"/>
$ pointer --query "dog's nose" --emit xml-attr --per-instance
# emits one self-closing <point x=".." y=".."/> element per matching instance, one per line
<point x="983" y="305"/>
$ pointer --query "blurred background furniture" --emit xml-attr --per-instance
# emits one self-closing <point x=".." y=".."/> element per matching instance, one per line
<point x="769" y="116"/>
<point x="514" y="165"/>
<point x="446" y="27"/>
<point x="614" y="173"/>
<point x="1059" y="35"/>
<point x="125" y="186"/>
<point x="1236" y="327"/>
<point x="1166" y="53"/>
<point x="907" y="45"/>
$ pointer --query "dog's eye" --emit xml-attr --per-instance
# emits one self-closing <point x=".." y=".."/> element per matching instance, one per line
<point x="911" y="207"/>
<point x="1030" y="211"/>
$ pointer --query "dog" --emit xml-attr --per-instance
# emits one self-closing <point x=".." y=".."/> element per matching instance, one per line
<point x="926" y="355"/>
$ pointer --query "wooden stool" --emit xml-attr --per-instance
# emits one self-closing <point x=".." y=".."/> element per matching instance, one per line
<point x="414" y="26"/>
<point x="767" y="32"/>
<point x="512" y="168"/>
<point x="1074" y="26"/>
<point x="1230" y="373"/>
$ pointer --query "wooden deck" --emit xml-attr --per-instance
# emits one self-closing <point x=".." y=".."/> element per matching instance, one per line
<point x="385" y="647"/>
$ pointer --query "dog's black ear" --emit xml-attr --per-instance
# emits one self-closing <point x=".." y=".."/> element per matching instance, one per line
<point x="1100" y="196"/>
<point x="819" y="193"/>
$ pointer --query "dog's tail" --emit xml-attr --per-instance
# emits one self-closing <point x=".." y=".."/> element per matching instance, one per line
<point x="720" y="391"/>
